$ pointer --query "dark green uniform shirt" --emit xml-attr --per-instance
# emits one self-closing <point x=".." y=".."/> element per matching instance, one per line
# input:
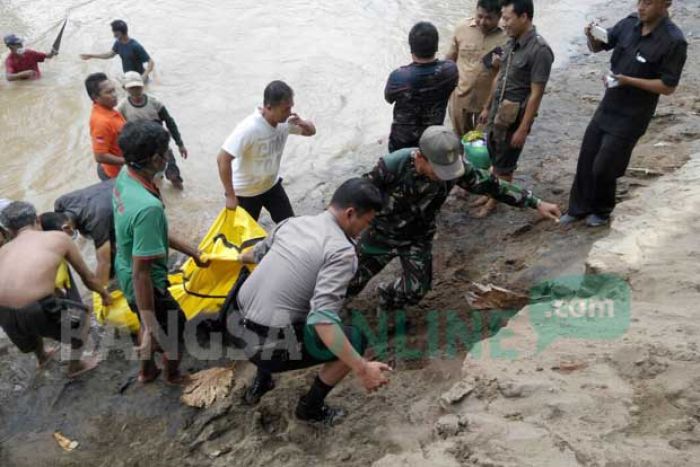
<point x="530" y="59"/>
<point x="413" y="200"/>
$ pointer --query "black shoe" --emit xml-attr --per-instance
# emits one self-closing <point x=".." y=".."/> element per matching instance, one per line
<point x="258" y="388"/>
<point x="327" y="415"/>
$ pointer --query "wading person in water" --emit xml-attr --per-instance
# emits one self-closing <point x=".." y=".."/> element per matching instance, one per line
<point x="23" y="63"/>
<point x="142" y="107"/>
<point x="131" y="52"/>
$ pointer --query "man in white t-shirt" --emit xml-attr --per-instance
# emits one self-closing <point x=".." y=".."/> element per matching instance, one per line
<point x="256" y="147"/>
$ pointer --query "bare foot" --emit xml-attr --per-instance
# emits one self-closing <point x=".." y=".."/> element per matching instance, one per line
<point x="149" y="377"/>
<point x="178" y="379"/>
<point x="48" y="356"/>
<point x="83" y="366"/>
<point x="480" y="201"/>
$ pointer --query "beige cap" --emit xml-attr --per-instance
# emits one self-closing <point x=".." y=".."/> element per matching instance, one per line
<point x="132" y="80"/>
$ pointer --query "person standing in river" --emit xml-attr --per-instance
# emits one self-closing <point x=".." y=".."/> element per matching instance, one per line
<point x="139" y="106"/>
<point x="131" y="52"/>
<point x="649" y="53"/>
<point x="419" y="91"/>
<point x="249" y="160"/>
<point x="515" y="102"/>
<point x="23" y="63"/>
<point x="105" y="125"/>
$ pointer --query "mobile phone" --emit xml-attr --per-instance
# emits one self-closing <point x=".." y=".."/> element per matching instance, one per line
<point x="600" y="34"/>
<point x="488" y="58"/>
<point x="611" y="81"/>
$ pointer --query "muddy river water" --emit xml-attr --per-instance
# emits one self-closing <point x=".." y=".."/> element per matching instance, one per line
<point x="213" y="59"/>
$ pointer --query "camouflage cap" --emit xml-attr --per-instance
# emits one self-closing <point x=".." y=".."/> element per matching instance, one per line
<point x="444" y="152"/>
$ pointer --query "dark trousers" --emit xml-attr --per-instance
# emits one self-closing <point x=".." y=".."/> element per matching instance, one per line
<point x="172" y="171"/>
<point x="416" y="277"/>
<point x="603" y="159"/>
<point x="171" y="322"/>
<point x="275" y="200"/>
<point x="101" y="174"/>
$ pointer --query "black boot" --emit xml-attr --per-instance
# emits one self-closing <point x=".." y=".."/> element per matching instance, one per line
<point x="261" y="385"/>
<point x="318" y="413"/>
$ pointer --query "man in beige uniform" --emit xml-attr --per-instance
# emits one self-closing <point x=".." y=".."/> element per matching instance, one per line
<point x="474" y="40"/>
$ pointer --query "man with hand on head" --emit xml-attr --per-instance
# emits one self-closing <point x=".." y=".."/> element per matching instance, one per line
<point x="249" y="161"/>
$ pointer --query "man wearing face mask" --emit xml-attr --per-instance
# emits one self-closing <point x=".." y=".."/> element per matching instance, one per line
<point x="23" y="63"/>
<point x="249" y="160"/>
<point x="141" y="264"/>
<point x="295" y="324"/>
<point x="88" y="211"/>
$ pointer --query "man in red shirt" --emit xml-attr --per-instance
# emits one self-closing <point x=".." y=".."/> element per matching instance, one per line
<point x="23" y="63"/>
<point x="105" y="125"/>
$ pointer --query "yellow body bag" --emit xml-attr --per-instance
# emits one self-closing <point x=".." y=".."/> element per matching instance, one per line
<point x="198" y="290"/>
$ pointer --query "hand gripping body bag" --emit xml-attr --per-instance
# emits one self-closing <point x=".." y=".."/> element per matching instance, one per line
<point x="198" y="290"/>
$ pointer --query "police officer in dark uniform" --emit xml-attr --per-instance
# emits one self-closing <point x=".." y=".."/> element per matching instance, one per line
<point x="525" y="69"/>
<point x="649" y="52"/>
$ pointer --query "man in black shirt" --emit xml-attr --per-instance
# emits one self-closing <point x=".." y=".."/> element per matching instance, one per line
<point x="88" y="211"/>
<point x="419" y="91"/>
<point x="649" y="52"/>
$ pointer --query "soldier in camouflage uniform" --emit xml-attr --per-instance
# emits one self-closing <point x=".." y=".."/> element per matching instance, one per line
<point x="406" y="226"/>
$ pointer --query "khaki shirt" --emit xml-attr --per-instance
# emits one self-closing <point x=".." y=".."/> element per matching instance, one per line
<point x="304" y="269"/>
<point x="469" y="46"/>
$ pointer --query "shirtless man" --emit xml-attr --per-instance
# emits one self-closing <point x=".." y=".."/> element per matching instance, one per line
<point x="30" y="307"/>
